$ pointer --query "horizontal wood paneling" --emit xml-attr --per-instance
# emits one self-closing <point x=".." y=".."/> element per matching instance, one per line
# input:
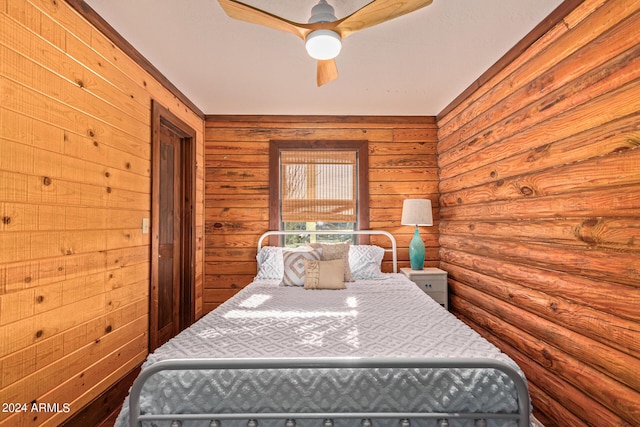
<point x="75" y="185"/>
<point x="402" y="163"/>
<point x="539" y="212"/>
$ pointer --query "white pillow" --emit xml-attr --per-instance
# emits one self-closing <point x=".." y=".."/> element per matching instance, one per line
<point x="366" y="262"/>
<point x="293" y="260"/>
<point x="270" y="263"/>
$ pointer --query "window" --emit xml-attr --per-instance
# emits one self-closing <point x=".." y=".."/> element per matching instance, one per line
<point x="318" y="185"/>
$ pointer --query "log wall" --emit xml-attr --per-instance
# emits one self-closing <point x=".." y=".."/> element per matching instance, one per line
<point x="540" y="212"/>
<point x="75" y="183"/>
<point x="402" y="163"/>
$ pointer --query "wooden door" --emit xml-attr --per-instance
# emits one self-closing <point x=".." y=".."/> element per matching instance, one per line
<point x="169" y="236"/>
<point x="172" y="288"/>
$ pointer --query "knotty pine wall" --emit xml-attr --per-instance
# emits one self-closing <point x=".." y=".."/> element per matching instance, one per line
<point x="540" y="214"/>
<point x="402" y="163"/>
<point x="75" y="184"/>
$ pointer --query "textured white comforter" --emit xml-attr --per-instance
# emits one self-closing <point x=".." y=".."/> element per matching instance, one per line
<point x="378" y="318"/>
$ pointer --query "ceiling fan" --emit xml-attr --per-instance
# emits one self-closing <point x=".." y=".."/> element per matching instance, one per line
<point x="323" y="33"/>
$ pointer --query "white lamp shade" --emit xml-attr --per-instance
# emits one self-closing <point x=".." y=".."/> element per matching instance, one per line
<point x="417" y="212"/>
<point x="323" y="44"/>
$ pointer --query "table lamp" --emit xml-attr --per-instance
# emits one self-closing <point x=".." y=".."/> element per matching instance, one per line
<point x="416" y="212"/>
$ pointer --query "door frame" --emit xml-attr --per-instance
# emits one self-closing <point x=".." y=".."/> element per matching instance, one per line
<point x="161" y="116"/>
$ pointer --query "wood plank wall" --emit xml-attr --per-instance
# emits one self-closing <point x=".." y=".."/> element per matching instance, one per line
<point x="75" y="184"/>
<point x="402" y="163"/>
<point x="540" y="213"/>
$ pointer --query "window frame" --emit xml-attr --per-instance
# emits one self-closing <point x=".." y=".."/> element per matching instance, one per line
<point x="360" y="146"/>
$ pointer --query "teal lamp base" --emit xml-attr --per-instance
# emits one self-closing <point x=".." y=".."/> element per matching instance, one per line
<point x="416" y="251"/>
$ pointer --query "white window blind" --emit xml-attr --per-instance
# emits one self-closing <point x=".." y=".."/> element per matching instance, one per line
<point x="318" y="186"/>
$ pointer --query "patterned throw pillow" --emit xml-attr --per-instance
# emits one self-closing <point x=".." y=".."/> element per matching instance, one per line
<point x="366" y="262"/>
<point x="294" y="272"/>
<point x="270" y="263"/>
<point x="324" y="274"/>
<point x="331" y="251"/>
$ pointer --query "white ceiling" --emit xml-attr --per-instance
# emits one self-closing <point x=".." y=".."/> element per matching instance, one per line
<point x="413" y="65"/>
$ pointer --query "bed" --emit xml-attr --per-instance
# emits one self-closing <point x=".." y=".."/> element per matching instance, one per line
<point x="377" y="351"/>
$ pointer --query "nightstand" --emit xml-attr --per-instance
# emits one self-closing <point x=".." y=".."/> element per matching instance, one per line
<point x="432" y="281"/>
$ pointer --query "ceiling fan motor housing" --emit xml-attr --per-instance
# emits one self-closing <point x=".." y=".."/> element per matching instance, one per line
<point x="322" y="12"/>
<point x="323" y="44"/>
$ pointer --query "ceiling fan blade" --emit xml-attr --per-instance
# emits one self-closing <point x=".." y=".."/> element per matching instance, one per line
<point x="244" y="12"/>
<point x="327" y="71"/>
<point x="377" y="12"/>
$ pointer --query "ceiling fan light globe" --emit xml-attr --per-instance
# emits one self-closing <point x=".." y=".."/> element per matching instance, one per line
<point x="323" y="44"/>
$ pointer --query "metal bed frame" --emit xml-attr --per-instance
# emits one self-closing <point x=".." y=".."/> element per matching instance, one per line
<point x="522" y="416"/>
<point x="392" y="250"/>
<point x="404" y="418"/>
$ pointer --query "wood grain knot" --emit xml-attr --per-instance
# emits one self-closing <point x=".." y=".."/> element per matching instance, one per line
<point x="91" y="133"/>
<point x="27" y="279"/>
<point x="127" y="165"/>
<point x="108" y="189"/>
<point x="46" y="180"/>
<point x="587" y="232"/>
<point x="80" y="83"/>
<point x="526" y="191"/>
<point x="217" y="225"/>
<point x="548" y="358"/>
<point x="493" y="174"/>
<point x="624" y="147"/>
<point x="95" y="143"/>
<point x="554" y="307"/>
<point x="6" y="220"/>
<point x="107" y="174"/>
<point x="39" y="333"/>
<point x="40" y="299"/>
<point x="108" y="329"/>
<point x="538" y="153"/>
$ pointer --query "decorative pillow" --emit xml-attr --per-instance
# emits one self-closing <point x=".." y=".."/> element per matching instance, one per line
<point x="270" y="263"/>
<point x="324" y="274"/>
<point x="366" y="262"/>
<point x="293" y="262"/>
<point x="331" y="251"/>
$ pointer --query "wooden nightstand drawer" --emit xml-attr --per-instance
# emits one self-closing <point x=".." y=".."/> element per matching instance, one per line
<point x="432" y="281"/>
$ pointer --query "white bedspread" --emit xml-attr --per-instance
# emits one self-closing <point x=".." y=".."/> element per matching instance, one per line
<point x="381" y="318"/>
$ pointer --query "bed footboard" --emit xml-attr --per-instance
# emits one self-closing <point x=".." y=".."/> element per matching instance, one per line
<point x="521" y="417"/>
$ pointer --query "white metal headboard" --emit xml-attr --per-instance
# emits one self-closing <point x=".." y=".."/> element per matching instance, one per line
<point x="393" y="249"/>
